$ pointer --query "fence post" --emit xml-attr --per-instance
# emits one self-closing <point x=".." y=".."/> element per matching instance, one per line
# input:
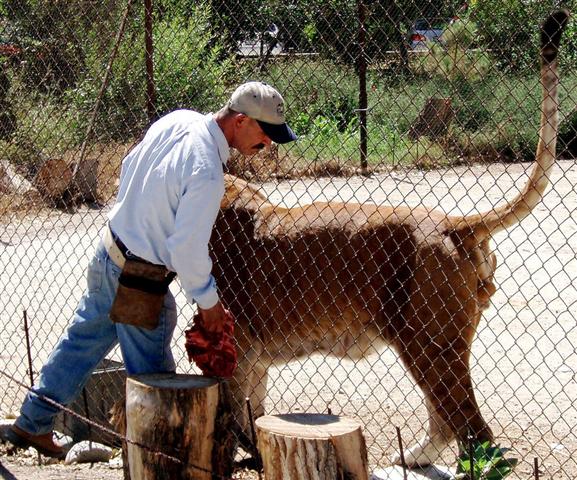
<point x="84" y="174"/>
<point x="362" y="71"/>
<point x="149" y="49"/>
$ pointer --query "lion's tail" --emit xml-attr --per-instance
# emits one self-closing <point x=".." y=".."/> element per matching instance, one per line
<point x="483" y="225"/>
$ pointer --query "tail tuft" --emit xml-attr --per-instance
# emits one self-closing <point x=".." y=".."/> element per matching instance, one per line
<point x="551" y="31"/>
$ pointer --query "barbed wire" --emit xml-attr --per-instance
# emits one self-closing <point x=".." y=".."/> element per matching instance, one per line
<point x="111" y="432"/>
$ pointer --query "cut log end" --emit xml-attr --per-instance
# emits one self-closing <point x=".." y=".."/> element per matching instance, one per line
<point x="53" y="178"/>
<point x="301" y="446"/>
<point x="434" y="119"/>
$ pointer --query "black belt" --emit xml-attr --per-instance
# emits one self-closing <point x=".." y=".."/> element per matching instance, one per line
<point x="126" y="253"/>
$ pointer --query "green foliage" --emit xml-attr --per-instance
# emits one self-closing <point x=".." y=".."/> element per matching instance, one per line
<point x="121" y="110"/>
<point x="336" y="25"/>
<point x="488" y="463"/>
<point x="312" y="89"/>
<point x="456" y="61"/>
<point x="249" y="19"/>
<point x="44" y="129"/>
<point x="191" y="69"/>
<point x="463" y="67"/>
<point x="328" y="27"/>
<point x="190" y="72"/>
<point x="497" y="115"/>
<point x="497" y="111"/>
<point x="52" y="33"/>
<point x="509" y="30"/>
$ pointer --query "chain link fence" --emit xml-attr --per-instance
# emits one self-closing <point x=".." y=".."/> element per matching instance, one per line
<point x="410" y="103"/>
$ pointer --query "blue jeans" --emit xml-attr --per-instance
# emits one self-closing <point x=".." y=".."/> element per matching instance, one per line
<point x="88" y="339"/>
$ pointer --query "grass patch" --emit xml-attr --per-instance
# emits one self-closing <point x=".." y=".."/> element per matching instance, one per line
<point x="496" y="118"/>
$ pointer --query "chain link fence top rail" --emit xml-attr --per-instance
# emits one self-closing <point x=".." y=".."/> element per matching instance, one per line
<point x="405" y="103"/>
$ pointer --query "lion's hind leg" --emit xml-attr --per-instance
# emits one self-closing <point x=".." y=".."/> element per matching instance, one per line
<point x="442" y="373"/>
<point x="428" y="449"/>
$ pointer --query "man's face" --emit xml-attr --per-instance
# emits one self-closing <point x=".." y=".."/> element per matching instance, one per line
<point x="249" y="137"/>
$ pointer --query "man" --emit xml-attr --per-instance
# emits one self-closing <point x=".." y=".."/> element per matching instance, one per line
<point x="171" y="186"/>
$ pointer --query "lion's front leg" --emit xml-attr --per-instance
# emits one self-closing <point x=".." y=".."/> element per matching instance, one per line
<point x="249" y="382"/>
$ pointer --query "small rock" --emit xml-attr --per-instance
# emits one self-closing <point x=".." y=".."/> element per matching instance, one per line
<point x="88" y="452"/>
<point x="557" y="447"/>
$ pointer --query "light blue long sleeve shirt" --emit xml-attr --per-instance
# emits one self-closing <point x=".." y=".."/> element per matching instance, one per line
<point x="171" y="186"/>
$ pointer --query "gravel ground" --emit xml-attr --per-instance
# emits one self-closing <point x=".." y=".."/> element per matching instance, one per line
<point x="524" y="358"/>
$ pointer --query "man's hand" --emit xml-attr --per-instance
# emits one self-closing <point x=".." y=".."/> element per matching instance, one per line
<point x="214" y="318"/>
<point x="213" y="351"/>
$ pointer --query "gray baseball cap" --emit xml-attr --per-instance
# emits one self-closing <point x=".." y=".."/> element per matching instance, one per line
<point x="263" y="103"/>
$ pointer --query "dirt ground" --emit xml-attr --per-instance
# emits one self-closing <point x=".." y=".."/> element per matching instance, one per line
<point x="524" y="358"/>
<point x="27" y="464"/>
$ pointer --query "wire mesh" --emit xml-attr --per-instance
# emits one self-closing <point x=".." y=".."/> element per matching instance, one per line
<point x="398" y="103"/>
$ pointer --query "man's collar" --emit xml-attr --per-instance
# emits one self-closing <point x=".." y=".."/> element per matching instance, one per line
<point x="218" y="135"/>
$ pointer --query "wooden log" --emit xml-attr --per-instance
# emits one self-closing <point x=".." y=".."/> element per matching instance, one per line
<point x="84" y="179"/>
<point x="434" y="119"/>
<point x="53" y="178"/>
<point x="225" y="440"/>
<point x="173" y="414"/>
<point x="118" y="422"/>
<point x="311" y="446"/>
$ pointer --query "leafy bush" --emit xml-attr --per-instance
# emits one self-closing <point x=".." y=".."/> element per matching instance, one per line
<point x="121" y="110"/>
<point x="456" y="59"/>
<point x="51" y="34"/>
<point x="509" y="30"/>
<point x="463" y="68"/>
<point x="191" y="68"/>
<point x="487" y="463"/>
<point x="313" y="89"/>
<point x="497" y="116"/>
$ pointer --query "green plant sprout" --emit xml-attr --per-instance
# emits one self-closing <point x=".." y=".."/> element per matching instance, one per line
<point x="489" y="463"/>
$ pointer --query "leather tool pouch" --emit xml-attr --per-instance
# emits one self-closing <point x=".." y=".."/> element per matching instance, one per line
<point x="140" y="295"/>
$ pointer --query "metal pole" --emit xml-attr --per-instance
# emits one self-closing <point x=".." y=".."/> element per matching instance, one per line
<point x="402" y="453"/>
<point x="471" y="458"/>
<point x="87" y="412"/>
<point x="254" y="440"/>
<point x="28" y="350"/>
<point x="79" y="165"/>
<point x="149" y="49"/>
<point x="362" y="71"/>
<point x="30" y="371"/>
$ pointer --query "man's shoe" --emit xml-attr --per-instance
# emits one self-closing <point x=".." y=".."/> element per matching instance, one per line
<point x="43" y="443"/>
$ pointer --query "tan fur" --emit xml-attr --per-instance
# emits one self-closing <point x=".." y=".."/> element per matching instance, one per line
<point x="340" y="277"/>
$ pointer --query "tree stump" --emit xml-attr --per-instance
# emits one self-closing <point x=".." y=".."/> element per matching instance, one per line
<point x="84" y="181"/>
<point x="434" y="119"/>
<point x="53" y="178"/>
<point x="58" y="177"/>
<point x="173" y="414"/>
<point x="305" y="446"/>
